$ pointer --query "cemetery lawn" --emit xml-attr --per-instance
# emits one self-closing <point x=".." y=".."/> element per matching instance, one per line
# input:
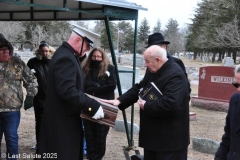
<point x="208" y="124"/>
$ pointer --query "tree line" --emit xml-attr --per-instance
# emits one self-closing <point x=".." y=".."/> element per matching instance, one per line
<point x="214" y="32"/>
<point x="215" y="29"/>
<point x="28" y="34"/>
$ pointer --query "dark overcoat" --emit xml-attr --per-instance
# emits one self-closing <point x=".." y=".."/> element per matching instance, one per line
<point x="181" y="64"/>
<point x="61" y="128"/>
<point x="230" y="146"/>
<point x="164" y="123"/>
<point x="41" y="69"/>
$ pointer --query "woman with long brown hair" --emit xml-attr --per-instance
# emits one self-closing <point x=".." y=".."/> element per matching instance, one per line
<point x="100" y="81"/>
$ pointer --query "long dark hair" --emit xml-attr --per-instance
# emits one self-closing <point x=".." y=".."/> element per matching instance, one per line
<point x="103" y="65"/>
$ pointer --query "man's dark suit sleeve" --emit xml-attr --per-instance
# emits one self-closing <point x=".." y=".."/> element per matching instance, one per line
<point x="65" y="84"/>
<point x="131" y="96"/>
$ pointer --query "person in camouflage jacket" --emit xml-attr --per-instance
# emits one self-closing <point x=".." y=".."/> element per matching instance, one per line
<point x="13" y="74"/>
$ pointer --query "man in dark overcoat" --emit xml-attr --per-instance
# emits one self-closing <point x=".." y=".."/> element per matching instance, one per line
<point x="61" y="128"/>
<point x="158" y="39"/>
<point x="230" y="146"/>
<point x="164" y="123"/>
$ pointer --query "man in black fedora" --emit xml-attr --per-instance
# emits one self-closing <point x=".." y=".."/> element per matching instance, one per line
<point x="158" y="39"/>
<point x="164" y="122"/>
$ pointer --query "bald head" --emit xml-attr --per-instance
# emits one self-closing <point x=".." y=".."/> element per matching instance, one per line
<point x="155" y="57"/>
<point x="156" y="51"/>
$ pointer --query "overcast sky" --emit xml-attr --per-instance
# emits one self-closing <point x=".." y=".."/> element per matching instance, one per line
<point x="179" y="10"/>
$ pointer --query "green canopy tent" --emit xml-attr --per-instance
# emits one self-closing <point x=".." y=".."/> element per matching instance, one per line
<point x="54" y="10"/>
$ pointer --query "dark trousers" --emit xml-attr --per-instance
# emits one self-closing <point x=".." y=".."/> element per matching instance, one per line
<point x="171" y="155"/>
<point x="96" y="136"/>
<point x="38" y="118"/>
<point x="9" y="122"/>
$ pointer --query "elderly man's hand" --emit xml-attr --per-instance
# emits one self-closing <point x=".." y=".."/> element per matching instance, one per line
<point x="113" y="102"/>
<point x="141" y="103"/>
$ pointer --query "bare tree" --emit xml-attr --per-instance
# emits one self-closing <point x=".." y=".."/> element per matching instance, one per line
<point x="228" y="35"/>
<point x="38" y="35"/>
<point x="173" y="35"/>
<point x="11" y="30"/>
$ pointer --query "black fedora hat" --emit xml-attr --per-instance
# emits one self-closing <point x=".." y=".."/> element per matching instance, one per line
<point x="156" y="38"/>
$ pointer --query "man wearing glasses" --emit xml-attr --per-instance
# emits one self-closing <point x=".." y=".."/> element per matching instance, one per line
<point x="158" y="39"/>
<point x="229" y="147"/>
<point x="164" y="122"/>
<point x="61" y="127"/>
<point x="13" y="72"/>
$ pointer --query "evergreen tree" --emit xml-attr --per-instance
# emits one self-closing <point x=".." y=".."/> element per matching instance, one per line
<point x="172" y="34"/>
<point x="129" y="41"/>
<point x="126" y="38"/>
<point x="171" y="28"/>
<point x="100" y="26"/>
<point x="158" y="26"/>
<point x="143" y="30"/>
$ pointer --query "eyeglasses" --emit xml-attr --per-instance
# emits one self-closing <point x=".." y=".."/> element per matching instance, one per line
<point x="97" y="57"/>
<point x="4" y="49"/>
<point x="235" y="84"/>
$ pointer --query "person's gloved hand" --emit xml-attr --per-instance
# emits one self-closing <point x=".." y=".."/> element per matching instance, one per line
<point x="91" y="84"/>
<point x="96" y="84"/>
<point x="28" y="103"/>
<point x="90" y="90"/>
<point x="99" y="114"/>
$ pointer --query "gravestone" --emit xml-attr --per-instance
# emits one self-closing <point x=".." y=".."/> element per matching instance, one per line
<point x="120" y="127"/>
<point x="140" y="61"/>
<point x="205" y="145"/>
<point x="215" y="87"/>
<point x="227" y="62"/>
<point x="126" y="78"/>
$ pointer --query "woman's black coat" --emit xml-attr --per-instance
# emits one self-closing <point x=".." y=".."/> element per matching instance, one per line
<point x="41" y="69"/>
<point x="102" y="86"/>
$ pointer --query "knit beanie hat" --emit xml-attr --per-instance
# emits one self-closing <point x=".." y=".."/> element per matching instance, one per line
<point x="5" y="43"/>
<point x="1" y="35"/>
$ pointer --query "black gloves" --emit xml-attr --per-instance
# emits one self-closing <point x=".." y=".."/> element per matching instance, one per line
<point x="90" y="89"/>
<point x="28" y="103"/>
<point x="96" y="85"/>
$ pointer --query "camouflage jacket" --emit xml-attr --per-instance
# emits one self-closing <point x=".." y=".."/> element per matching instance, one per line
<point x="13" y="74"/>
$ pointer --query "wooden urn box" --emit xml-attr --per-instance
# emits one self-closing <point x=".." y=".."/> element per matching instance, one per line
<point x="110" y="114"/>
